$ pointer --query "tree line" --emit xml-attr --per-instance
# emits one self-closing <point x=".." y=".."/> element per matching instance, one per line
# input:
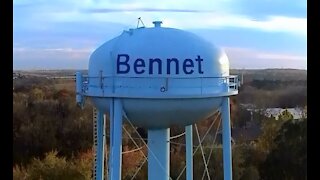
<point x="52" y="139"/>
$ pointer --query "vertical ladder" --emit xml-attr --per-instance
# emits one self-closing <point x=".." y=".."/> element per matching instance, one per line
<point x="99" y="144"/>
<point x="95" y="141"/>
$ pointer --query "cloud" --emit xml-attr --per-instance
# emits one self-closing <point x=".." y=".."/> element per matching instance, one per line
<point x="110" y="10"/>
<point x="297" y="26"/>
<point x="262" y="8"/>
<point x="252" y="58"/>
<point x="61" y="31"/>
<point x="67" y="34"/>
<point x="79" y="58"/>
<point x="185" y="19"/>
<point x="285" y="57"/>
<point x="278" y="42"/>
<point x="180" y="14"/>
<point x="58" y="53"/>
<point x="51" y="58"/>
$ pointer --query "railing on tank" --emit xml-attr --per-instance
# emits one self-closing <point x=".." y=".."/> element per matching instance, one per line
<point x="83" y="82"/>
<point x="234" y="82"/>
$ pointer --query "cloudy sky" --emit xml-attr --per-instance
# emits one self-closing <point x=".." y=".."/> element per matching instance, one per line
<point x="255" y="33"/>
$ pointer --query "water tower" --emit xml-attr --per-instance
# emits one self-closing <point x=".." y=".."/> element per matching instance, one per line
<point x="156" y="78"/>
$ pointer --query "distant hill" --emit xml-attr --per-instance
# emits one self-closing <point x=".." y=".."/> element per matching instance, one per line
<point x="48" y="73"/>
<point x="271" y="74"/>
<point x="249" y="74"/>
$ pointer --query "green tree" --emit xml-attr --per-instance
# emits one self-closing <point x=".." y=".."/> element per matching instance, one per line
<point x="250" y="173"/>
<point x="37" y="94"/>
<point x="52" y="167"/>
<point x="84" y="163"/>
<point x="270" y="128"/>
<point x="288" y="160"/>
<point x="215" y="166"/>
<point x="285" y="115"/>
<point x="46" y="119"/>
<point x="19" y="173"/>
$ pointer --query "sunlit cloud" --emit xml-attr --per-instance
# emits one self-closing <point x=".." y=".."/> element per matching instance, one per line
<point x="252" y="58"/>
<point x="296" y="26"/>
<point x="71" y="30"/>
<point x="59" y="53"/>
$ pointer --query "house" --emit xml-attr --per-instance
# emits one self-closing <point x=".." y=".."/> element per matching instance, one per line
<point x="297" y="113"/>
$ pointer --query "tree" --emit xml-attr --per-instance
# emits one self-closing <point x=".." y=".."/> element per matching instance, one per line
<point x="250" y="173"/>
<point x="215" y="166"/>
<point x="19" y="173"/>
<point x="288" y="160"/>
<point x="285" y="115"/>
<point x="42" y="122"/>
<point x="270" y="128"/>
<point x="53" y="167"/>
<point x="37" y="94"/>
<point x="242" y="117"/>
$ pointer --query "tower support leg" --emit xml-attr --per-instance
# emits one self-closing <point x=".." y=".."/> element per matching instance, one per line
<point x="100" y="146"/>
<point x="189" y="153"/>
<point x="226" y="139"/>
<point x="111" y="118"/>
<point x="116" y="140"/>
<point x="159" y="154"/>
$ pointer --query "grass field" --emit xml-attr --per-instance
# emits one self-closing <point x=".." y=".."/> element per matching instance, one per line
<point x="67" y="84"/>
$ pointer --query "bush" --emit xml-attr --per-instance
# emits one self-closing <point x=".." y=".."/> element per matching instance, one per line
<point x="250" y="173"/>
<point x="53" y="167"/>
<point x="19" y="173"/>
<point x="288" y="160"/>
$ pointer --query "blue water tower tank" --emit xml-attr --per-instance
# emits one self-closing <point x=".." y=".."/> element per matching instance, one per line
<point x="157" y="78"/>
<point x="165" y="76"/>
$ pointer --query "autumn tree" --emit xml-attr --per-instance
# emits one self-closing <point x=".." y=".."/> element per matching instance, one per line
<point x="288" y="160"/>
<point x="270" y="128"/>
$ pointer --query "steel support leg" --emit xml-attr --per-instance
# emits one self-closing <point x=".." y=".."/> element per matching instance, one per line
<point x="117" y="140"/>
<point x="100" y="146"/>
<point x="111" y="118"/>
<point x="159" y="154"/>
<point x="189" y="153"/>
<point x="226" y="134"/>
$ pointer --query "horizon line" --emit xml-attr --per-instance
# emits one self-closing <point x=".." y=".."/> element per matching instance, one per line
<point x="81" y="69"/>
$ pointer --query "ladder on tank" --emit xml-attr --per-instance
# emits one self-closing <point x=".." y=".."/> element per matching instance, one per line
<point x="96" y="146"/>
<point x="95" y="142"/>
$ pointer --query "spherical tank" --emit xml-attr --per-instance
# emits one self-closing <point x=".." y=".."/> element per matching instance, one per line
<point x="164" y="76"/>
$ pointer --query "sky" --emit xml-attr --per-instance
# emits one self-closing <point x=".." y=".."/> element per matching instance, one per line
<point x="255" y="34"/>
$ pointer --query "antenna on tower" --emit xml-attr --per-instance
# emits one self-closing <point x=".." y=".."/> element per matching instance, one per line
<point x="139" y="20"/>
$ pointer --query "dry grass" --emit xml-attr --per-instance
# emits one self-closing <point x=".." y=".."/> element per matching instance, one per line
<point x="65" y="84"/>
